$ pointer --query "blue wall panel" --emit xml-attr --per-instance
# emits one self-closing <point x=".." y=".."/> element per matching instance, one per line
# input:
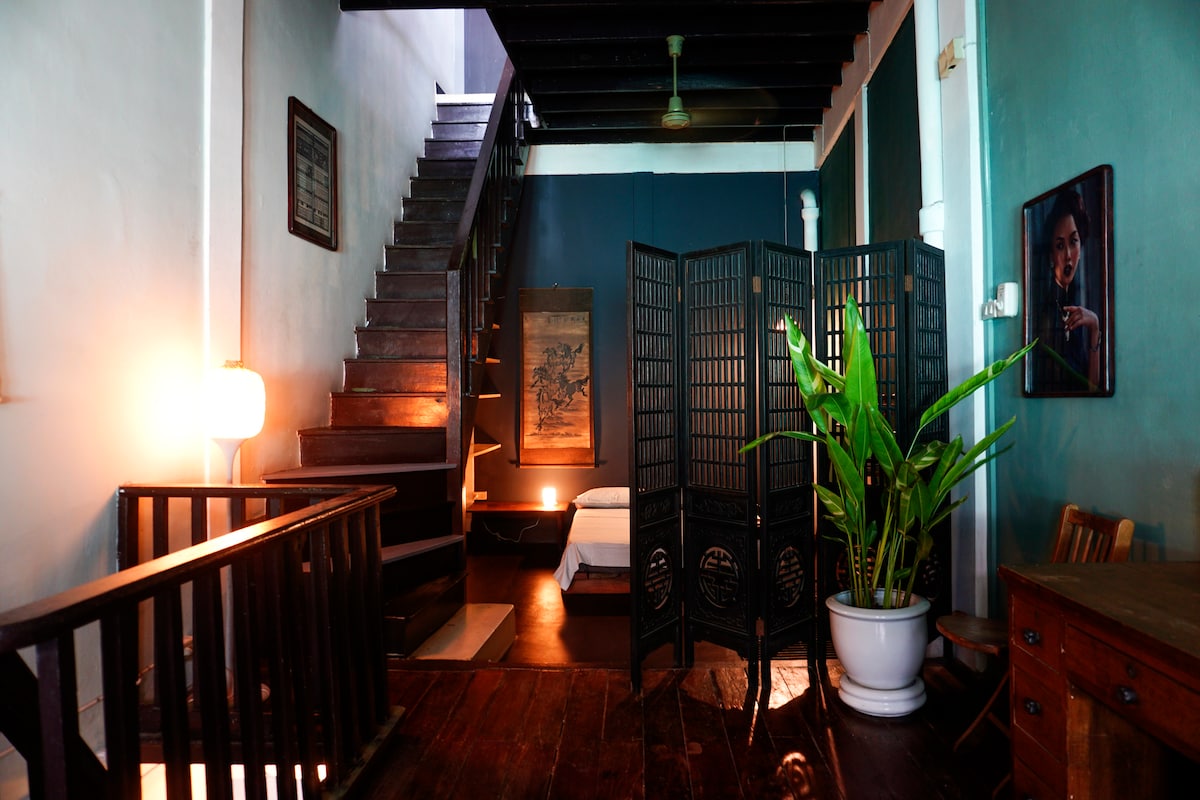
<point x="572" y="231"/>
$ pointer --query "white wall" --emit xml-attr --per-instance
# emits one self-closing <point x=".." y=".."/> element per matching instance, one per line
<point x="132" y="239"/>
<point x="371" y="76"/>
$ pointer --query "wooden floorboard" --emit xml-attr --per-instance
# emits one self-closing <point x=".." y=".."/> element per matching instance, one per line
<point x="557" y="718"/>
<point x="549" y="732"/>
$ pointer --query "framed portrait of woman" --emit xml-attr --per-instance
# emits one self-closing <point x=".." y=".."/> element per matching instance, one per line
<point x="1068" y="246"/>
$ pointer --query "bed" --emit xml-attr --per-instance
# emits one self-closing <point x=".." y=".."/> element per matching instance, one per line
<point x="595" y="559"/>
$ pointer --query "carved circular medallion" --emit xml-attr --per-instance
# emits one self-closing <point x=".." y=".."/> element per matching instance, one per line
<point x="789" y="577"/>
<point x="720" y="577"/>
<point x="657" y="581"/>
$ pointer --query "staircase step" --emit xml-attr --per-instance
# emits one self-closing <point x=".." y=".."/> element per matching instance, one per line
<point x="368" y="409"/>
<point x="477" y="632"/>
<point x="394" y="375"/>
<point x="409" y="565"/>
<point x="420" y="343"/>
<point x="445" y="167"/>
<point x="416" y="257"/>
<point x="406" y="313"/>
<point x="454" y="188"/>
<point x="413" y="285"/>
<point x="432" y="210"/>
<point x="452" y="148"/>
<point x="331" y="452"/>
<point x="477" y="109"/>
<point x="425" y="233"/>
<point x="459" y="129"/>
<point x="412" y="617"/>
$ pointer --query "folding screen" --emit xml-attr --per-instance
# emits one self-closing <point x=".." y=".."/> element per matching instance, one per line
<point x="723" y="546"/>
<point x="726" y="536"/>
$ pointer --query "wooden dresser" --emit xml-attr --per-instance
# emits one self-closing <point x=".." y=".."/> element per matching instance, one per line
<point x="1105" y="662"/>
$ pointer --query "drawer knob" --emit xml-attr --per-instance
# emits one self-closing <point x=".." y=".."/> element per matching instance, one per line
<point x="1032" y="707"/>
<point x="1031" y="637"/>
<point x="1126" y="695"/>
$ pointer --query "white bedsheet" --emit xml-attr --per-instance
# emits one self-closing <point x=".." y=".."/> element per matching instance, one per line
<point x="599" y="537"/>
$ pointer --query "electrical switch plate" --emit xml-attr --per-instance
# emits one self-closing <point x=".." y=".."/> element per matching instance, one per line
<point x="1006" y="303"/>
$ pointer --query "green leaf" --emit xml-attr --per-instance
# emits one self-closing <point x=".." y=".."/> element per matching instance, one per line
<point x="969" y="386"/>
<point x="927" y="454"/>
<point x="861" y="388"/>
<point x="849" y="476"/>
<point x="766" y="437"/>
<point x="883" y="442"/>
<point x="960" y="469"/>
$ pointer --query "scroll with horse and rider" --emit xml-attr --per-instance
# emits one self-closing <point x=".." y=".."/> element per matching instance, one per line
<point x="557" y="425"/>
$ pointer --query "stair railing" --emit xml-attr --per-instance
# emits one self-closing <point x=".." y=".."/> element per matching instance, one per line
<point x="479" y="257"/>
<point x="300" y="685"/>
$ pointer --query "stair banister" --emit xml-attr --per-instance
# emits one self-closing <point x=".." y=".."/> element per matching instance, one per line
<point x="315" y="644"/>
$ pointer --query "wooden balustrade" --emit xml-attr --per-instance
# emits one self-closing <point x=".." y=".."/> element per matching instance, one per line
<point x="303" y="681"/>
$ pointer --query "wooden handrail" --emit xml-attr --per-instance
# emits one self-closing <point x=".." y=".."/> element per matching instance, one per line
<point x="307" y="625"/>
<point x="479" y="255"/>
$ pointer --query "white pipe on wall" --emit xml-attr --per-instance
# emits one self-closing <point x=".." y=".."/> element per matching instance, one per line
<point x="811" y="214"/>
<point x="931" y="218"/>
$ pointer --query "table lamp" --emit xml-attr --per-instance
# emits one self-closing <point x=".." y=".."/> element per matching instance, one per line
<point x="236" y="407"/>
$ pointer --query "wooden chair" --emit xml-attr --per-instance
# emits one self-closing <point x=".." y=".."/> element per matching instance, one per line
<point x="1082" y="536"/>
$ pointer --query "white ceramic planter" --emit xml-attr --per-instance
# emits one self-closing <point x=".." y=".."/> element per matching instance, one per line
<point x="882" y="651"/>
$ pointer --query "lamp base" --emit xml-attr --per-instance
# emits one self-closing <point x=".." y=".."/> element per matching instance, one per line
<point x="230" y="448"/>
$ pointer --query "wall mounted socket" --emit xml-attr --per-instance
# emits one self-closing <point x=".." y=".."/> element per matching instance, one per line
<point x="1005" y="304"/>
<point x="481" y="496"/>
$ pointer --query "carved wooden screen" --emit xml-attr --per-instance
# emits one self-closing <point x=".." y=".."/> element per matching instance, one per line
<point x="900" y="289"/>
<point x="788" y="601"/>
<point x="742" y="554"/>
<point x="719" y="536"/>
<point x="655" y="445"/>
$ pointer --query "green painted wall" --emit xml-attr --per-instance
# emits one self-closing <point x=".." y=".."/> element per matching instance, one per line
<point x="1069" y="85"/>
<point x="837" y="193"/>
<point x="894" y="144"/>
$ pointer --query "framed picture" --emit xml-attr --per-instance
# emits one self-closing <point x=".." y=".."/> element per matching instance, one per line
<point x="556" y="373"/>
<point x="1069" y="288"/>
<point x="312" y="176"/>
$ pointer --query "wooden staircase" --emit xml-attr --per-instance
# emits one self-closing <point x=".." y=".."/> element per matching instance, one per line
<point x="397" y="419"/>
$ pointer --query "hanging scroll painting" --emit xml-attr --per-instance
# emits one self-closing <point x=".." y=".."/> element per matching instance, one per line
<point x="557" y="424"/>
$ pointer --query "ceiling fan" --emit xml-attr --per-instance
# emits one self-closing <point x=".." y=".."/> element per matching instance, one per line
<point x="676" y="117"/>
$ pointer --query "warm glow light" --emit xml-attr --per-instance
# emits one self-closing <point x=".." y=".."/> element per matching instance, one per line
<point x="236" y="402"/>
<point x="549" y="497"/>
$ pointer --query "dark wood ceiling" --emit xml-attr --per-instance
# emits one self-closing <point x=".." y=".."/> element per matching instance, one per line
<point x="749" y="71"/>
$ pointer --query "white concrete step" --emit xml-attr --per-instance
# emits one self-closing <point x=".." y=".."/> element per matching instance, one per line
<point x="478" y="632"/>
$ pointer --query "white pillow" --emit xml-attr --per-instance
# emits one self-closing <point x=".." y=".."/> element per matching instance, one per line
<point x="604" y="497"/>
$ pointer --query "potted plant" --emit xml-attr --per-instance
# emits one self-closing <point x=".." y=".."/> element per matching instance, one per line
<point x="887" y="540"/>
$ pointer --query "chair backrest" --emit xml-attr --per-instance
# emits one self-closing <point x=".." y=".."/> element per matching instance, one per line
<point x="1091" y="537"/>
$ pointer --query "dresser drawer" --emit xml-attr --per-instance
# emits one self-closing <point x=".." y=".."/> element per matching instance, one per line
<point x="1030" y="782"/>
<point x="1036" y="630"/>
<point x="1038" y="709"/>
<point x="1138" y="693"/>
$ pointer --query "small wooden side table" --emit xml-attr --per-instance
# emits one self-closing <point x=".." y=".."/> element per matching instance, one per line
<point x="556" y="513"/>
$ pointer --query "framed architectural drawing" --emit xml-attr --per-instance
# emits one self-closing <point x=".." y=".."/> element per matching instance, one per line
<point x="312" y="176"/>
<point x="1068" y="234"/>
<point x="556" y="413"/>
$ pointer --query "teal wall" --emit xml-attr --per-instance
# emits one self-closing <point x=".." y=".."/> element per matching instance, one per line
<point x="572" y="230"/>
<point x="838" y="207"/>
<point x="894" y="148"/>
<point x="1070" y="85"/>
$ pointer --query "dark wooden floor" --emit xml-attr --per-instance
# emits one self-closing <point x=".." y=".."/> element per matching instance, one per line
<point x="557" y="719"/>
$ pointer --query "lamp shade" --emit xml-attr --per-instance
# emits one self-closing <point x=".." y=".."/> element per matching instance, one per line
<point x="236" y="402"/>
